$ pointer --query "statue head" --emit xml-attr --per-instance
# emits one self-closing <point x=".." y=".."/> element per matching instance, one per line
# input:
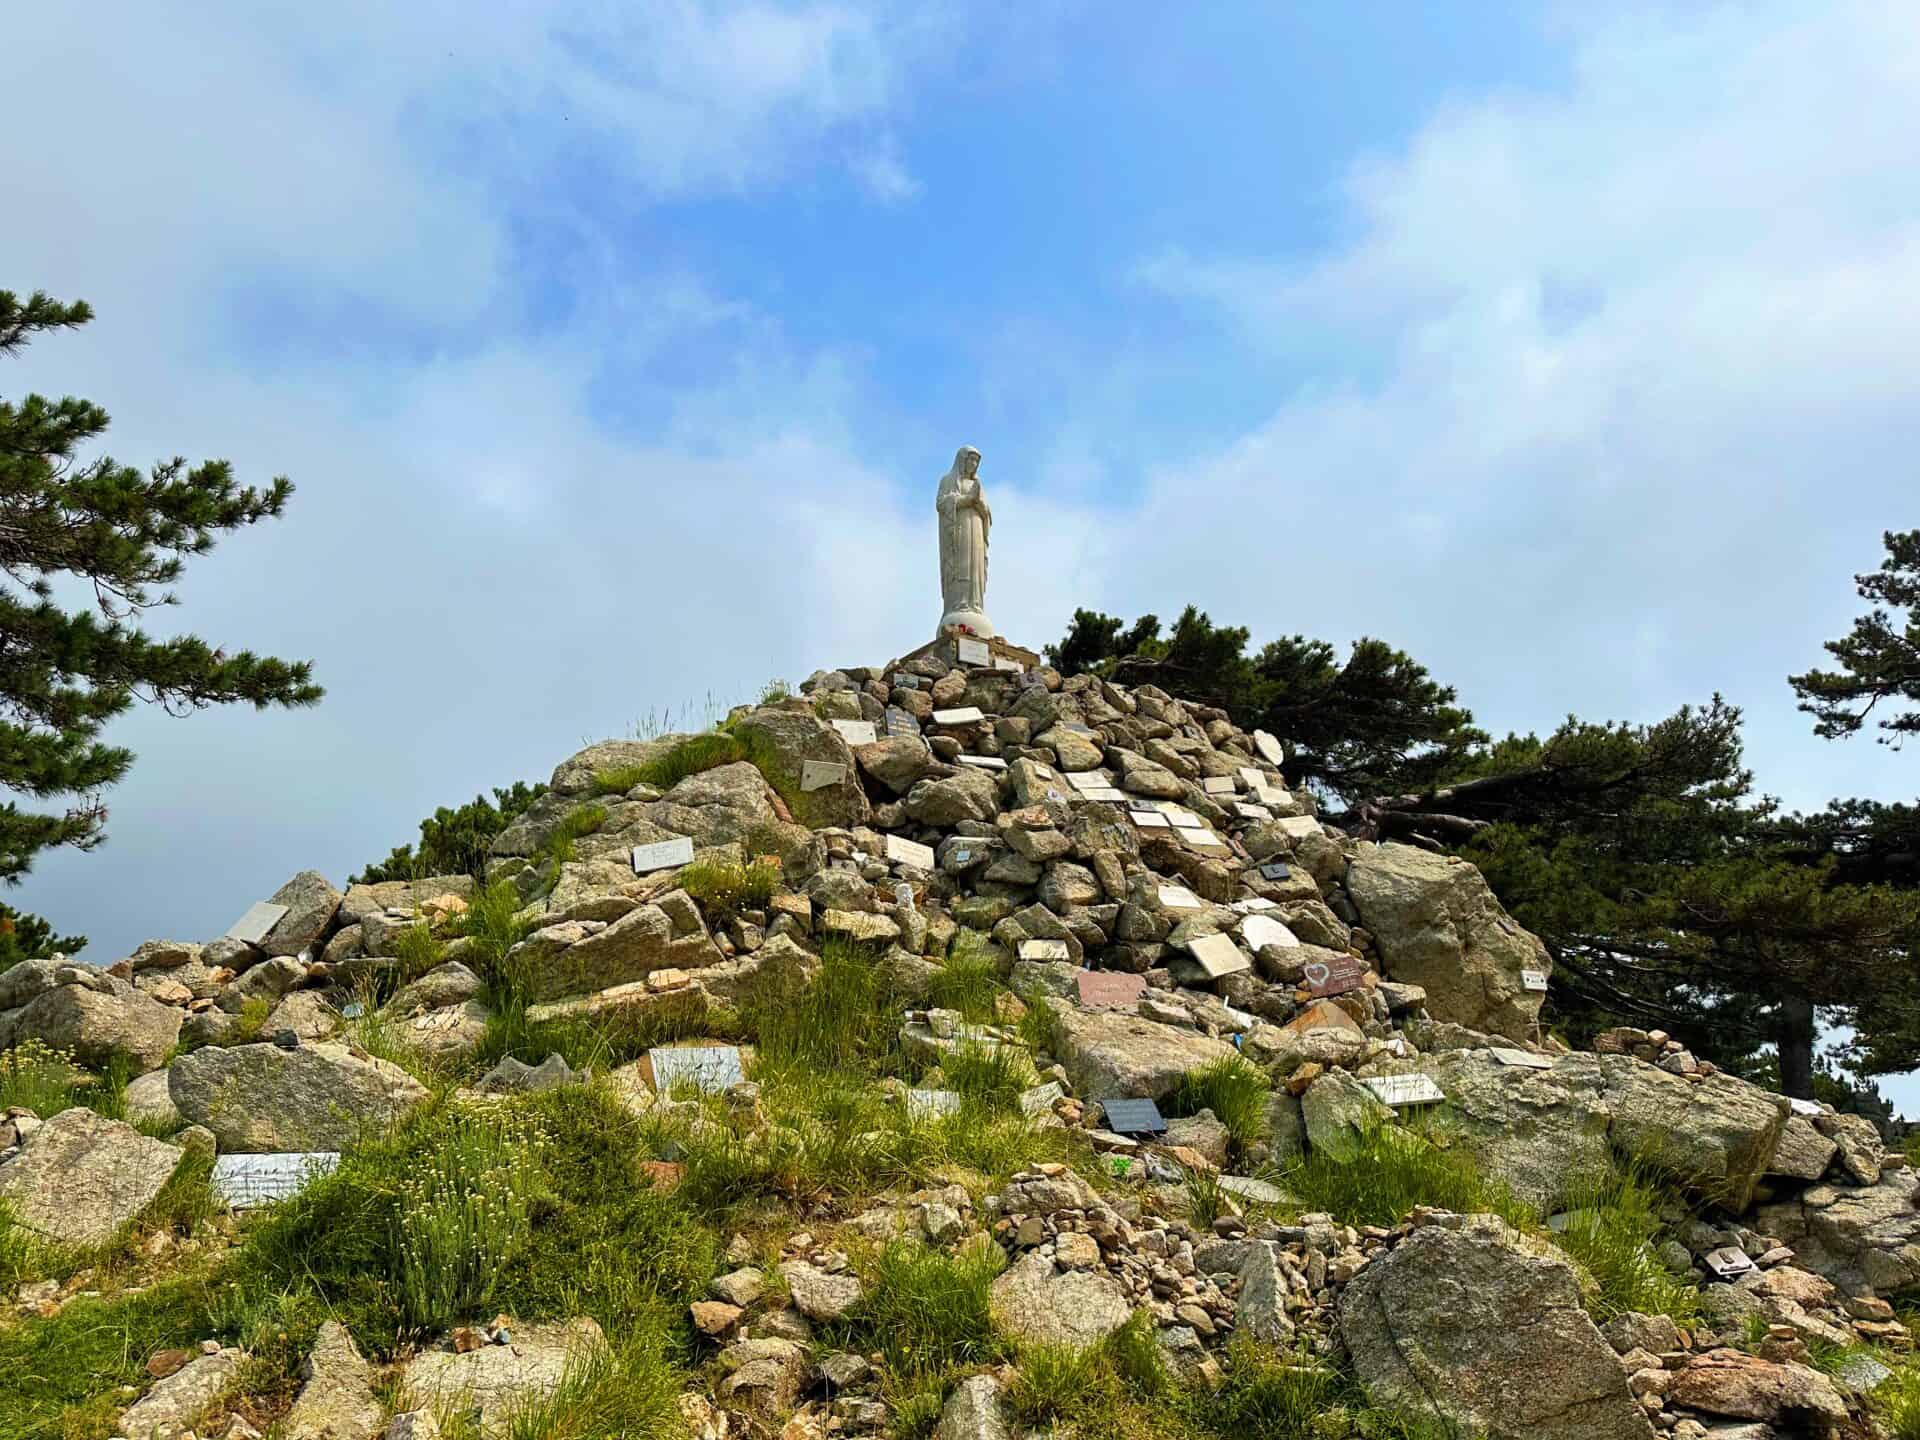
<point x="966" y="462"/>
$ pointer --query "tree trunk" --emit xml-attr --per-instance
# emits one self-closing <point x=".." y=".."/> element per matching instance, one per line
<point x="1793" y="1034"/>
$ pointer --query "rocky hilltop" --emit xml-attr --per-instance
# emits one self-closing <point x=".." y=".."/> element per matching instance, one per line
<point x="867" y="986"/>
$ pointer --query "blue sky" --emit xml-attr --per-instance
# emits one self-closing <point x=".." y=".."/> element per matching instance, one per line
<point x="616" y="351"/>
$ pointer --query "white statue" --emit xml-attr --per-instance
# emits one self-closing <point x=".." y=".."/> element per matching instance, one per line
<point x="965" y="525"/>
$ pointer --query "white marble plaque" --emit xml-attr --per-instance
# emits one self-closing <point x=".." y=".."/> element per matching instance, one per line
<point x="856" y="732"/>
<point x="1534" y="979"/>
<point x="964" y="715"/>
<point x="1273" y="799"/>
<point x="819" y="774"/>
<point x="901" y="851"/>
<point x="1253" y="905"/>
<point x="1150" y="820"/>
<point x="254" y="926"/>
<point x="1729" y="1263"/>
<point x="1106" y="793"/>
<point x="1043" y="950"/>
<point x="972" y="652"/>
<point x="984" y="762"/>
<point x="1260" y="931"/>
<point x="1090" y="780"/>
<point x="710" y="1068"/>
<point x="1808" y="1108"/>
<point x="1254" y="1192"/>
<point x="1406" y="1090"/>
<point x="1178" y="897"/>
<point x="930" y="1104"/>
<point x="1012" y="667"/>
<point x="1200" y="839"/>
<point x="1218" y="785"/>
<point x="663" y="855"/>
<point x="245" y="1182"/>
<point x="1300" y="826"/>
<point x="1182" y="818"/>
<point x="1252" y="812"/>
<point x="1269" y="748"/>
<point x="1520" y="1059"/>
<point x="1218" y="956"/>
<point x="1254" y="777"/>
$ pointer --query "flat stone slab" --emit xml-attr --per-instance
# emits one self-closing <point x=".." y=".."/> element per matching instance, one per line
<point x="1260" y="931"/>
<point x="856" y="732"/>
<point x="709" y="1068"/>
<point x="1399" y="1090"/>
<point x="255" y="925"/>
<point x="663" y="855"/>
<point x="497" y="1380"/>
<point x="1200" y="839"/>
<point x="1110" y="989"/>
<point x="961" y="715"/>
<point x="246" y="1182"/>
<point x="1045" y="950"/>
<point x="1074" y="1307"/>
<point x="1218" y="785"/>
<point x="1178" y="897"/>
<point x="81" y="1176"/>
<point x="1218" y="956"/>
<point x="901" y="851"/>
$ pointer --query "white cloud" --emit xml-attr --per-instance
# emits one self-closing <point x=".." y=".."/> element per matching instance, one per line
<point x="882" y="172"/>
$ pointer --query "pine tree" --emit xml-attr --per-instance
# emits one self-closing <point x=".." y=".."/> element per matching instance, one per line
<point x="28" y="937"/>
<point x="70" y="523"/>
<point x="1879" y="658"/>
<point x="455" y="842"/>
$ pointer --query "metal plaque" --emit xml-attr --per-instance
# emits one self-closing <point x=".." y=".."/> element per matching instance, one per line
<point x="709" y="1068"/>
<point x="663" y="855"/>
<point x="972" y="652"/>
<point x="1406" y="1090"/>
<point x="1269" y="748"/>
<point x="1276" y="870"/>
<point x="1260" y="931"/>
<point x="1133" y="1117"/>
<point x="819" y="774"/>
<point x="1045" y="950"/>
<point x="1534" y="979"/>
<point x="1729" y="1262"/>
<point x="244" y="1182"/>
<point x="1109" y="989"/>
<point x="254" y="926"/>
<point x="910" y="852"/>
<point x="1218" y="785"/>
<point x="928" y="1104"/>
<point x="964" y="715"/>
<point x="1218" y="956"/>
<point x="1520" y="1059"/>
<point x="856" y="732"/>
<point x="1325" y="979"/>
<point x="1200" y="839"/>
<point x="984" y="762"/>
<point x="1178" y="897"/>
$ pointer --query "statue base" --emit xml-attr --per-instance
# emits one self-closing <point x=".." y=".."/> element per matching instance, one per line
<point x="972" y="621"/>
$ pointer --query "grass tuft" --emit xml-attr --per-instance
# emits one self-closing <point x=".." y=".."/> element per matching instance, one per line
<point x="927" y="1311"/>
<point x="1612" y="1223"/>
<point x="1393" y="1169"/>
<point x="692" y="756"/>
<point x="724" y="888"/>
<point x="1237" y="1093"/>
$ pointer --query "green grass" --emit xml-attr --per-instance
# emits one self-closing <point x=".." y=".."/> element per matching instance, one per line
<point x="692" y="756"/>
<point x="991" y="1076"/>
<point x="494" y="923"/>
<point x="848" y="1019"/>
<point x="1614" y="1222"/>
<point x="578" y="822"/>
<point x="968" y="981"/>
<point x="418" y="950"/>
<point x="927" y="1311"/>
<point x="1897" y="1403"/>
<point x="1237" y="1093"/>
<point x="1206" y="1201"/>
<point x="1274" y="1395"/>
<point x="39" y="1078"/>
<point x="724" y="888"/>
<point x="1392" y="1170"/>
<point x="1058" y="1384"/>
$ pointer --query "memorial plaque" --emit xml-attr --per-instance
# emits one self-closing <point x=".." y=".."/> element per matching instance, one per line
<point x="254" y="926"/>
<point x="1252" y="812"/>
<point x="901" y="722"/>
<point x="1729" y="1262"/>
<point x="1182" y="818"/>
<point x="1269" y="748"/>
<point x="1012" y="667"/>
<point x="1178" y="897"/>
<point x="984" y="762"/>
<point x="964" y="715"/>
<point x="1043" y="950"/>
<point x="901" y="851"/>
<point x="1090" y="780"/>
<point x="1324" y="979"/>
<point x="1272" y="798"/>
<point x="1200" y="839"/>
<point x="1254" y="1192"/>
<point x="856" y="732"/>
<point x="246" y="1182"/>
<point x="904" y="681"/>
<point x="1133" y="1117"/>
<point x="1107" y="793"/>
<point x="819" y="774"/>
<point x="1218" y="956"/>
<point x="1807" y="1108"/>
<point x="1406" y="1090"/>
<point x="1150" y="820"/>
<point x="663" y="855"/>
<point x="1534" y="979"/>
<point x="1260" y="931"/>
<point x="1276" y="870"/>
<point x="1300" y="826"/>
<point x="1520" y="1059"/>
<point x="972" y="652"/>
<point x="1077" y="728"/>
<point x="1218" y="785"/>
<point x="930" y="1104"/>
<point x="709" y="1068"/>
<point x="1109" y="989"/>
<point x="1254" y="904"/>
<point x="1253" y="777"/>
